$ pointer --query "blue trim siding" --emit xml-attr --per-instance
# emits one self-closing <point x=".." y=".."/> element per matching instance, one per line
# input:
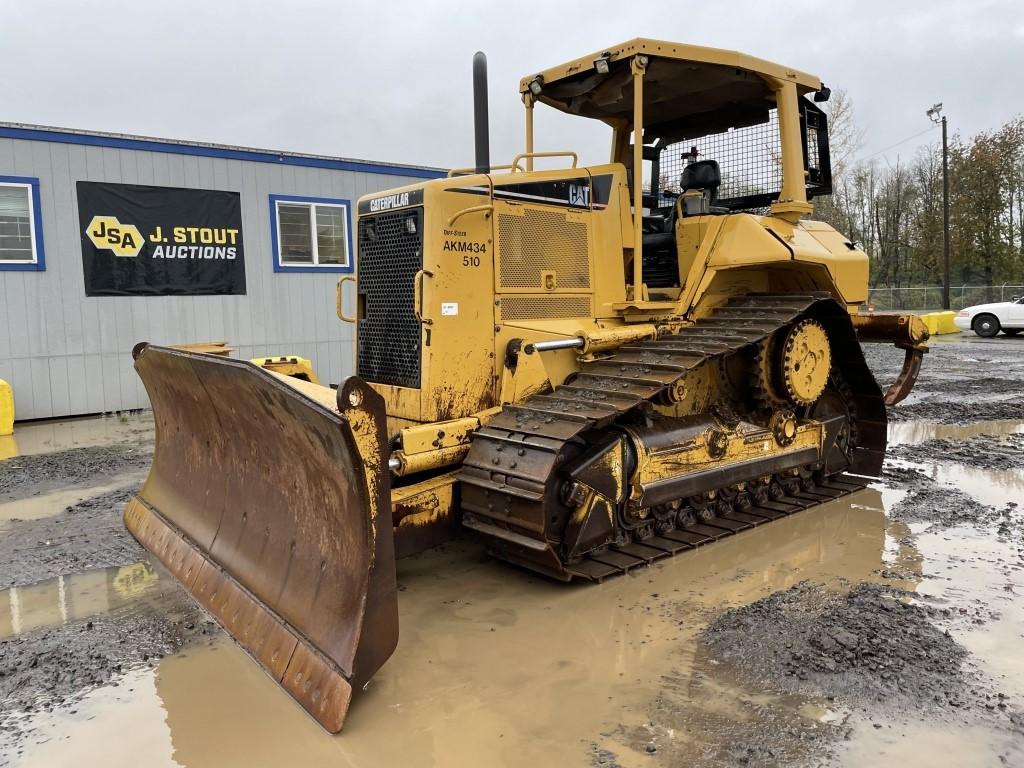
<point x="251" y="155"/>
<point x="37" y="228"/>
<point x="288" y="268"/>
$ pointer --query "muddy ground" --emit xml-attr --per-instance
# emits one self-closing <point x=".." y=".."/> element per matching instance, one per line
<point x="54" y="664"/>
<point x="880" y="629"/>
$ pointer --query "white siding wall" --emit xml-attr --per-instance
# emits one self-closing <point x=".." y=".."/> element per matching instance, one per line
<point x="66" y="354"/>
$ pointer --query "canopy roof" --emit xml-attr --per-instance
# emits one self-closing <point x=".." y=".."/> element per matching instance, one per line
<point x="689" y="90"/>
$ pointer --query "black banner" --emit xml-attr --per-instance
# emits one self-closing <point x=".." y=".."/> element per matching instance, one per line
<point x="160" y="241"/>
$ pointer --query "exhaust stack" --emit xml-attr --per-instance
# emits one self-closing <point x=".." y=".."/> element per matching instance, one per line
<point x="480" y="127"/>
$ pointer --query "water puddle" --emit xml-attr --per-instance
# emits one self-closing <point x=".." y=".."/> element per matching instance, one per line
<point x="494" y="666"/>
<point x="130" y="732"/>
<point x="983" y="571"/>
<point x="914" y="745"/>
<point x="55" y="602"/>
<point x="994" y="487"/>
<point x="61" y="434"/>
<point x="497" y="667"/>
<point x="911" y="432"/>
<point x="50" y="504"/>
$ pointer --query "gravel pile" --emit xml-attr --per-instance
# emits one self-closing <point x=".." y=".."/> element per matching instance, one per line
<point x="867" y="646"/>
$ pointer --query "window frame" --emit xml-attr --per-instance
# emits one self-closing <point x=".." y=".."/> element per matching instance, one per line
<point x="275" y="240"/>
<point x="38" y="263"/>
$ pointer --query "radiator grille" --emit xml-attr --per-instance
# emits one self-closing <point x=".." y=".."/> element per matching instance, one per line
<point x="541" y="307"/>
<point x="542" y="241"/>
<point x="389" y="333"/>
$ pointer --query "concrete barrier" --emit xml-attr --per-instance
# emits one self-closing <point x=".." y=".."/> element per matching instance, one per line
<point x="940" y="322"/>
<point x="6" y="408"/>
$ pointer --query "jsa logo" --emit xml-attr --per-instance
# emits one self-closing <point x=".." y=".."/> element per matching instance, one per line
<point x="108" y="232"/>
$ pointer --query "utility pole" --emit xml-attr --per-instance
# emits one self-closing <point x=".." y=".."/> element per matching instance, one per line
<point x="934" y="115"/>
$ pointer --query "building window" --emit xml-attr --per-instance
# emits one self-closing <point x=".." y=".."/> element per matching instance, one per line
<point x="21" y="231"/>
<point x="310" y="234"/>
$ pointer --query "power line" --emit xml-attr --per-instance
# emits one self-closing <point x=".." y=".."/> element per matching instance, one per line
<point x="898" y="143"/>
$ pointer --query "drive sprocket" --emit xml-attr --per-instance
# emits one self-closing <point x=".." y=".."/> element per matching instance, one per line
<point x="767" y="393"/>
<point x="806" y="362"/>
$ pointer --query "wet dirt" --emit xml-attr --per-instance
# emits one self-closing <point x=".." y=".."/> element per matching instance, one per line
<point x="947" y="411"/>
<point x="489" y="671"/>
<point x="64" y="637"/>
<point x="984" y="451"/>
<point x="31" y="475"/>
<point x="869" y="646"/>
<point x="88" y="534"/>
<point x="498" y="667"/>
<point x="963" y="380"/>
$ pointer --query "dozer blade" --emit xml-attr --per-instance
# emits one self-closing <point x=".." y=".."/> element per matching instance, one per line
<point x="268" y="499"/>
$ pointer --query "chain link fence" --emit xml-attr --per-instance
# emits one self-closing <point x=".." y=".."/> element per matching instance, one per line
<point x="928" y="298"/>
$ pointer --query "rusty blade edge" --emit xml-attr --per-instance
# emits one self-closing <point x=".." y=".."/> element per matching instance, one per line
<point x="316" y="683"/>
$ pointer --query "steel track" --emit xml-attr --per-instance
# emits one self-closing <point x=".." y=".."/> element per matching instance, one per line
<point x="508" y="479"/>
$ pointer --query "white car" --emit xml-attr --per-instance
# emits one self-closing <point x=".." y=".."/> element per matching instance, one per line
<point x="989" y="319"/>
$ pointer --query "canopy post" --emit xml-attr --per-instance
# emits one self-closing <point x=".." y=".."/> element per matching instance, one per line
<point x="638" y="65"/>
<point x="792" y="202"/>
<point x="528" y="102"/>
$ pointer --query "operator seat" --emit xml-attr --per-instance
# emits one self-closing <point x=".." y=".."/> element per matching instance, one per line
<point x="705" y="177"/>
<point x="660" y="255"/>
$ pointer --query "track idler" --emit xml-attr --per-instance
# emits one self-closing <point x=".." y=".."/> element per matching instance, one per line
<point x="268" y="499"/>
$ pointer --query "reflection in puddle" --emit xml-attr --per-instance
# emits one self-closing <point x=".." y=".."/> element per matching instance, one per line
<point x="917" y="745"/>
<point x="921" y="431"/>
<point x="60" y="435"/>
<point x="50" y="504"/>
<point x="55" y="602"/>
<point x="982" y="570"/>
<point x="130" y="732"/>
<point x="992" y="487"/>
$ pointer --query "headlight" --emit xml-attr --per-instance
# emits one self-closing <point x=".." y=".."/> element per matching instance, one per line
<point x="963" y="313"/>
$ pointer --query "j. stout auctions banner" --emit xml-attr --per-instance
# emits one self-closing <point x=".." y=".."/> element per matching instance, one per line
<point x="160" y="241"/>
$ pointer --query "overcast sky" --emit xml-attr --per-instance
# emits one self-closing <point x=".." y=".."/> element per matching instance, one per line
<point x="390" y="80"/>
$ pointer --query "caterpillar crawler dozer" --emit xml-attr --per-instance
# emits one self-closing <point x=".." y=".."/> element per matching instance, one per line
<point x="587" y="368"/>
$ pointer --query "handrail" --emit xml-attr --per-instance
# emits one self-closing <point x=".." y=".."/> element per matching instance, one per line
<point x="417" y="296"/>
<point x="340" y="301"/>
<point x="532" y="155"/>
<point x="472" y="209"/>
<point x="473" y="171"/>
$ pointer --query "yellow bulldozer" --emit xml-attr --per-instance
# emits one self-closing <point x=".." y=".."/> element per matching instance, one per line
<point x="587" y="368"/>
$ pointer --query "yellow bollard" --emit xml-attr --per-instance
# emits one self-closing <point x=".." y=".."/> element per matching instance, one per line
<point x="6" y="408"/>
<point x="945" y="322"/>
<point x="940" y="323"/>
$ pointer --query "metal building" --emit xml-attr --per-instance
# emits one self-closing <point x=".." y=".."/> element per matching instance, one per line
<point x="252" y="258"/>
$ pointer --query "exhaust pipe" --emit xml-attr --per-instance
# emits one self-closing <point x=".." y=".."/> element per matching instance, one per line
<point x="480" y="127"/>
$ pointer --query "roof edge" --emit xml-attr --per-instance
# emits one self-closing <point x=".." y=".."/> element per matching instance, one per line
<point x="679" y="51"/>
<point x="30" y="132"/>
